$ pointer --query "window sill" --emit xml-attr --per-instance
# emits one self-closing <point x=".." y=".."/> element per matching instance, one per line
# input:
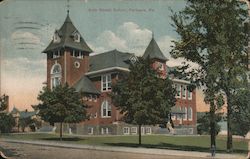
<point x="106" y="116"/>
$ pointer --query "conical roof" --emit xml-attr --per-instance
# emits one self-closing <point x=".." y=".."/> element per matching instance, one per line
<point x="153" y="51"/>
<point x="86" y="86"/>
<point x="66" y="34"/>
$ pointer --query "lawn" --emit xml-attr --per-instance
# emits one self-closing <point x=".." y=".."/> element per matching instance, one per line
<point x="187" y="143"/>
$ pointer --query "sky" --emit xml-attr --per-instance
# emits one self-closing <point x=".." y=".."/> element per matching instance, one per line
<point x="27" y="27"/>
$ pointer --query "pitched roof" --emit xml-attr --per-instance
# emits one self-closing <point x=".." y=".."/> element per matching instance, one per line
<point x="14" y="110"/>
<point x="153" y="51"/>
<point x="26" y="114"/>
<point x="66" y="38"/>
<point x="113" y="58"/>
<point x="86" y="86"/>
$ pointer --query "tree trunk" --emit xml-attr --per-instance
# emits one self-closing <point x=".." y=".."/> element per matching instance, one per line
<point x="212" y="123"/>
<point x="212" y="126"/>
<point x="229" y="125"/>
<point x="61" y="127"/>
<point x="139" y="135"/>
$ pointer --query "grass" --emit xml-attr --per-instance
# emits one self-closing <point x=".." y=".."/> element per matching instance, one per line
<point x="186" y="143"/>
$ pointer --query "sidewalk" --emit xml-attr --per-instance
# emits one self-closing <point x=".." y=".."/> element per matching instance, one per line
<point x="127" y="149"/>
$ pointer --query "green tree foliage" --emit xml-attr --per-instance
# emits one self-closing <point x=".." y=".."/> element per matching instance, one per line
<point x="61" y="105"/>
<point x="241" y="113"/>
<point x="7" y="122"/>
<point x="28" y="122"/>
<point x="142" y="97"/>
<point x="214" y="35"/>
<point x="204" y="127"/>
<point x="3" y="103"/>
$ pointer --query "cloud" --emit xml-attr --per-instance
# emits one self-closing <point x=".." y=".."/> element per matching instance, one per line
<point x="111" y="41"/>
<point x="26" y="40"/>
<point x="165" y="43"/>
<point x="129" y="37"/>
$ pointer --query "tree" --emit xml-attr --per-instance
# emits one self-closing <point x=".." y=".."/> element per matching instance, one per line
<point x="61" y="104"/>
<point x="241" y="113"/>
<point x="7" y="122"/>
<point x="214" y="35"/>
<point x="142" y="97"/>
<point x="3" y="103"/>
<point x="204" y="126"/>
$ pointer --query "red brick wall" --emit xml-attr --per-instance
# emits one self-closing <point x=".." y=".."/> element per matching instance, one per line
<point x="73" y="74"/>
<point x="180" y="102"/>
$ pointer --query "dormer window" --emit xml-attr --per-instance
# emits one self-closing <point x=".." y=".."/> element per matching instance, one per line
<point x="56" y="37"/>
<point x="76" y="36"/>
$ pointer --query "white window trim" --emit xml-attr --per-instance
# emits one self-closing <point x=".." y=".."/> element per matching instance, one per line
<point x="135" y="130"/>
<point x="92" y="130"/>
<point x="95" y="98"/>
<point x="106" y="82"/>
<point x="142" y="130"/>
<point x="56" y="38"/>
<point x="150" y="130"/>
<point x="183" y="92"/>
<point x="107" y="110"/>
<point x="53" y="75"/>
<point x="186" y="113"/>
<point x="127" y="132"/>
<point x="178" y="86"/>
<point x="190" y="117"/>
<point x="191" y="95"/>
<point x="77" y="37"/>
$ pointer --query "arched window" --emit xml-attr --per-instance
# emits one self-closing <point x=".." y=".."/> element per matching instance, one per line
<point x="184" y="109"/>
<point x="106" y="109"/>
<point x="56" y="75"/>
<point x="190" y="113"/>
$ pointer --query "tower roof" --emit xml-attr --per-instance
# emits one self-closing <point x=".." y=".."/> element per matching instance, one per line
<point x="153" y="51"/>
<point x="66" y="36"/>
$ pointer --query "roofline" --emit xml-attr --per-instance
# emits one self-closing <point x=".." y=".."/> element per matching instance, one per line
<point x="107" y="69"/>
<point x="180" y="81"/>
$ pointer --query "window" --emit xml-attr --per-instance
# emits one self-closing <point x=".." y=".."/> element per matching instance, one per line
<point x="90" y="97"/>
<point x="94" y="98"/>
<point x="77" y="37"/>
<point x="56" y="54"/>
<point x="106" y="109"/>
<point x="178" y="90"/>
<point x="134" y="130"/>
<point x="179" y="115"/>
<point x="142" y="130"/>
<point x="190" y="113"/>
<point x="95" y="115"/>
<point x="148" y="130"/>
<point x="173" y="116"/>
<point x="106" y="131"/>
<point x="189" y="95"/>
<point x="126" y="130"/>
<point x="185" y="111"/>
<point x="56" y="75"/>
<point x="90" y="130"/>
<point x="183" y="91"/>
<point x="56" y="37"/>
<point x="106" y="82"/>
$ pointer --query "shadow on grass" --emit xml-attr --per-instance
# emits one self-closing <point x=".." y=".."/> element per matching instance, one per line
<point x="63" y="139"/>
<point x="174" y="147"/>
